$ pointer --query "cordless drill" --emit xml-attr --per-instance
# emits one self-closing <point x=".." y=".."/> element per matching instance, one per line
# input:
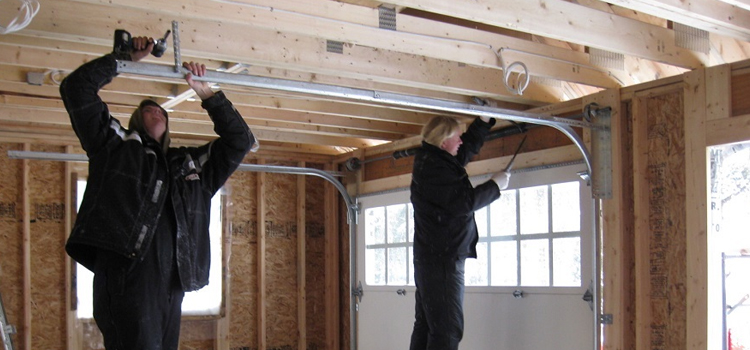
<point x="124" y="44"/>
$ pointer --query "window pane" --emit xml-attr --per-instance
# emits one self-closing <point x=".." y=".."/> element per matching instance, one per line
<point x="480" y="216"/>
<point x="396" y="223"/>
<point x="375" y="226"/>
<point x="504" y="264"/>
<point x="566" y="207"/>
<point x="410" y="217"/>
<point x="375" y="267"/>
<point x="534" y="210"/>
<point x="535" y="262"/>
<point x="503" y="215"/>
<point x="207" y="300"/>
<point x="567" y="261"/>
<point x="396" y="266"/>
<point x="476" y="269"/>
<point x="411" y="266"/>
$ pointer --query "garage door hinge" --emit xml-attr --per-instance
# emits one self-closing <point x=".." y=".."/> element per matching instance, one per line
<point x="606" y="319"/>
<point x="358" y="292"/>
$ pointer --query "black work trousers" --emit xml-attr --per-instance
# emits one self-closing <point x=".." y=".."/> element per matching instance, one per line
<point x="138" y="305"/>
<point x="439" y="315"/>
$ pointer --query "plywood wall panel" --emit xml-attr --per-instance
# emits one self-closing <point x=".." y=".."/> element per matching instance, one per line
<point x="11" y="264"/>
<point x="740" y="90"/>
<point x="242" y="188"/>
<point x="197" y="335"/>
<point x="281" y="260"/>
<point x="660" y="222"/>
<point x="47" y="198"/>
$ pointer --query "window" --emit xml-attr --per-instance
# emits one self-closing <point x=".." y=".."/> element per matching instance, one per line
<point x="389" y="239"/>
<point x="729" y="246"/>
<point x="203" y="302"/>
<point x="530" y="237"/>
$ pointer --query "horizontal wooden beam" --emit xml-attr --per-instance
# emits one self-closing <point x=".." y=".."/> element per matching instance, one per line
<point x="709" y="15"/>
<point x="562" y="20"/>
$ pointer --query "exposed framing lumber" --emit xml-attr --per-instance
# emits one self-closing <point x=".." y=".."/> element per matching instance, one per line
<point x="614" y="292"/>
<point x="712" y="16"/>
<point x="357" y="25"/>
<point x="301" y="261"/>
<point x="26" y="203"/>
<point x="221" y="325"/>
<point x="641" y="214"/>
<point x="261" y="259"/>
<point x="71" y="319"/>
<point x="696" y="205"/>
<point x="718" y="92"/>
<point x="478" y="168"/>
<point x="727" y="130"/>
<point x="589" y="27"/>
<point x="282" y="50"/>
<point x="332" y="267"/>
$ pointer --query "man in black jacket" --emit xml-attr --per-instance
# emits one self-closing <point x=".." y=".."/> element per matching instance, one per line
<point x="445" y="233"/>
<point x="142" y="227"/>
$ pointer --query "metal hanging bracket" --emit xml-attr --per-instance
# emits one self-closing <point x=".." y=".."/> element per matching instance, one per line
<point x="601" y="149"/>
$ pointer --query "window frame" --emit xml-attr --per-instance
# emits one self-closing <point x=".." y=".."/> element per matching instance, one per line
<point x="219" y="198"/>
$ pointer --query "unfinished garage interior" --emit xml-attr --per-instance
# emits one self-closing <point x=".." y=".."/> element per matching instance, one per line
<point x="625" y="225"/>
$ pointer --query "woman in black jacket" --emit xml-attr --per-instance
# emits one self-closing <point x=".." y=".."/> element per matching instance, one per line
<point x="142" y="227"/>
<point x="445" y="233"/>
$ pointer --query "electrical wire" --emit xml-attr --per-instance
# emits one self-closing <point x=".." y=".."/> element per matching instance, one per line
<point x="29" y="9"/>
<point x="522" y="80"/>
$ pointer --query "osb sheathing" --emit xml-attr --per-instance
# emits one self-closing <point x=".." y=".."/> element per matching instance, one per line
<point x="47" y="198"/>
<point x="243" y="266"/>
<point x="197" y="335"/>
<point x="281" y="260"/>
<point x="11" y="228"/>
<point x="48" y="259"/>
<point x="47" y="234"/>
<point x="665" y="181"/>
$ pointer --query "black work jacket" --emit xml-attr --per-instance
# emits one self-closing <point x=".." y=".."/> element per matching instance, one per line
<point x="444" y="199"/>
<point x="130" y="178"/>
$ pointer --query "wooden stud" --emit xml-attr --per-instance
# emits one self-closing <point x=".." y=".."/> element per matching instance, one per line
<point x="332" y="263"/>
<point x="718" y="92"/>
<point x="73" y="331"/>
<point x="221" y="325"/>
<point x="26" y="251"/>
<point x="301" y="262"/>
<point x="696" y="205"/>
<point x="261" y="326"/>
<point x="615" y="293"/>
<point x="641" y="214"/>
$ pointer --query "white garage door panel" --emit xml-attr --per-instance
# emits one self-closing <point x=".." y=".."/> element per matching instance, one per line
<point x="502" y="322"/>
<point x="388" y="322"/>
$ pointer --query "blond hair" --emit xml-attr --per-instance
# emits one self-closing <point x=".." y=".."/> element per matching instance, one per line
<point x="439" y="129"/>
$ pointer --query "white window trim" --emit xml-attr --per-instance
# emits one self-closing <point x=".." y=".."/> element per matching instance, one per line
<point x="84" y="277"/>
